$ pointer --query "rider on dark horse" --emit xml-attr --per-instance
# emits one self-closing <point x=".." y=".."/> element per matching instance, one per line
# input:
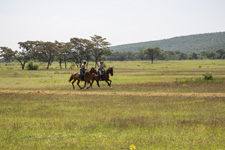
<point x="101" y="69"/>
<point x="83" y="70"/>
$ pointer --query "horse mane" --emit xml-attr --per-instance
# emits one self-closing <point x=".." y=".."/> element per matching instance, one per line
<point x="90" y="69"/>
<point x="109" y="69"/>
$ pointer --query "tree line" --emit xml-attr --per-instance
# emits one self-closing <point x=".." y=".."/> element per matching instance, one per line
<point x="77" y="50"/>
<point x="96" y="49"/>
<point x="157" y="53"/>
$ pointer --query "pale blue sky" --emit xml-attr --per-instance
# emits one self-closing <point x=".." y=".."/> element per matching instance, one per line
<point x="120" y="21"/>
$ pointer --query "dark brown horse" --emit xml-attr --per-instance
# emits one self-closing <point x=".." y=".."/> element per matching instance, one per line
<point x="104" y="77"/>
<point x="87" y="77"/>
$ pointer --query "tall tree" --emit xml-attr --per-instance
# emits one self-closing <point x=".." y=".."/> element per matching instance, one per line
<point x="7" y="54"/>
<point x="22" y="57"/>
<point x="77" y="50"/>
<point x="152" y="52"/>
<point x="26" y="54"/>
<point x="101" y="48"/>
<point x="88" y="47"/>
<point x="46" y="52"/>
<point x="64" y="52"/>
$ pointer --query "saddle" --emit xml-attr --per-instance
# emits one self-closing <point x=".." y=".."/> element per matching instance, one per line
<point x="77" y="75"/>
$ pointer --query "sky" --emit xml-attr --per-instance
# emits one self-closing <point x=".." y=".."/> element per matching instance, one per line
<point x="119" y="21"/>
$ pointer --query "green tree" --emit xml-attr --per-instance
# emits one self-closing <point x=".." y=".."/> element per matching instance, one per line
<point x="22" y="57"/>
<point x="194" y="55"/>
<point x="221" y="53"/>
<point x="63" y="52"/>
<point x="45" y="52"/>
<point x="88" y="50"/>
<point x="141" y="54"/>
<point x="152" y="52"/>
<point x="212" y="55"/>
<point x="78" y="50"/>
<point x="7" y="54"/>
<point x="163" y="55"/>
<point x="101" y="48"/>
<point x="183" y="56"/>
<point x="26" y="52"/>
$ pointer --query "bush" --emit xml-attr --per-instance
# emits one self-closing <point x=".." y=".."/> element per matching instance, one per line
<point x="208" y="76"/>
<point x="32" y="66"/>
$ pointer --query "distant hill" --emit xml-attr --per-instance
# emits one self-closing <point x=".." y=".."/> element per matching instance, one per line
<point x="186" y="44"/>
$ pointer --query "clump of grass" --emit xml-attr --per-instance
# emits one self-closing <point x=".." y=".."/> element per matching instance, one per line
<point x="56" y="72"/>
<point x="16" y="74"/>
<point x="208" y="76"/>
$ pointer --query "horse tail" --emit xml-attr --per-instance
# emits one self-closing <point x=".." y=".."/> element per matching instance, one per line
<point x="71" y="78"/>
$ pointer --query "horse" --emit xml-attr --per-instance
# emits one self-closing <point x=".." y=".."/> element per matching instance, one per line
<point x="87" y="77"/>
<point x="104" y="77"/>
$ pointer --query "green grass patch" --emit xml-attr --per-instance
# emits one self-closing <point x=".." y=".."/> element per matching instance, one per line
<point x="42" y="121"/>
<point x="63" y="119"/>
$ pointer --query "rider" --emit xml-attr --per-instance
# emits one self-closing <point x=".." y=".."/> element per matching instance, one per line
<point x="82" y="70"/>
<point x="101" y="69"/>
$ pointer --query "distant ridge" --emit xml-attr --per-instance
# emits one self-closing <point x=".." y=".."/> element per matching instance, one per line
<point x="186" y="44"/>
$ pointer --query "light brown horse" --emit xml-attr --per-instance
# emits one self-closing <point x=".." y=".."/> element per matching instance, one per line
<point x="87" y="77"/>
<point x="104" y="77"/>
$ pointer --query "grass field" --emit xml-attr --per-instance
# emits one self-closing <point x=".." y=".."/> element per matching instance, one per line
<point x="166" y="105"/>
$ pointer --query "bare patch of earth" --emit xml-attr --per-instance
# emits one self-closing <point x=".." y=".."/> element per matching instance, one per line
<point x="117" y="93"/>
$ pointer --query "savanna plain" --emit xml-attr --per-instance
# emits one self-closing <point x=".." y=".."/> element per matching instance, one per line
<point x="165" y="105"/>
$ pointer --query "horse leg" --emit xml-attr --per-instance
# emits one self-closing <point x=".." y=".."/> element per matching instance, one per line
<point x="73" y="84"/>
<point x="109" y="84"/>
<point x="79" y="84"/>
<point x="98" y="84"/>
<point x="84" y="85"/>
<point x="89" y="85"/>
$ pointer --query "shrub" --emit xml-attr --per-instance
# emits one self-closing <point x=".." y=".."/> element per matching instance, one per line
<point x="208" y="76"/>
<point x="32" y="66"/>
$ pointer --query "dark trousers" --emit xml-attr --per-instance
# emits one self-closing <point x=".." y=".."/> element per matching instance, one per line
<point x="82" y="73"/>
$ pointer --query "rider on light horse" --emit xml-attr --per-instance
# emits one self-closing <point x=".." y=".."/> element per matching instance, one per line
<point x="101" y="69"/>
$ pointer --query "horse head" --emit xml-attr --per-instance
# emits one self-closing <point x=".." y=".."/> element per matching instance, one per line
<point x="110" y="70"/>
